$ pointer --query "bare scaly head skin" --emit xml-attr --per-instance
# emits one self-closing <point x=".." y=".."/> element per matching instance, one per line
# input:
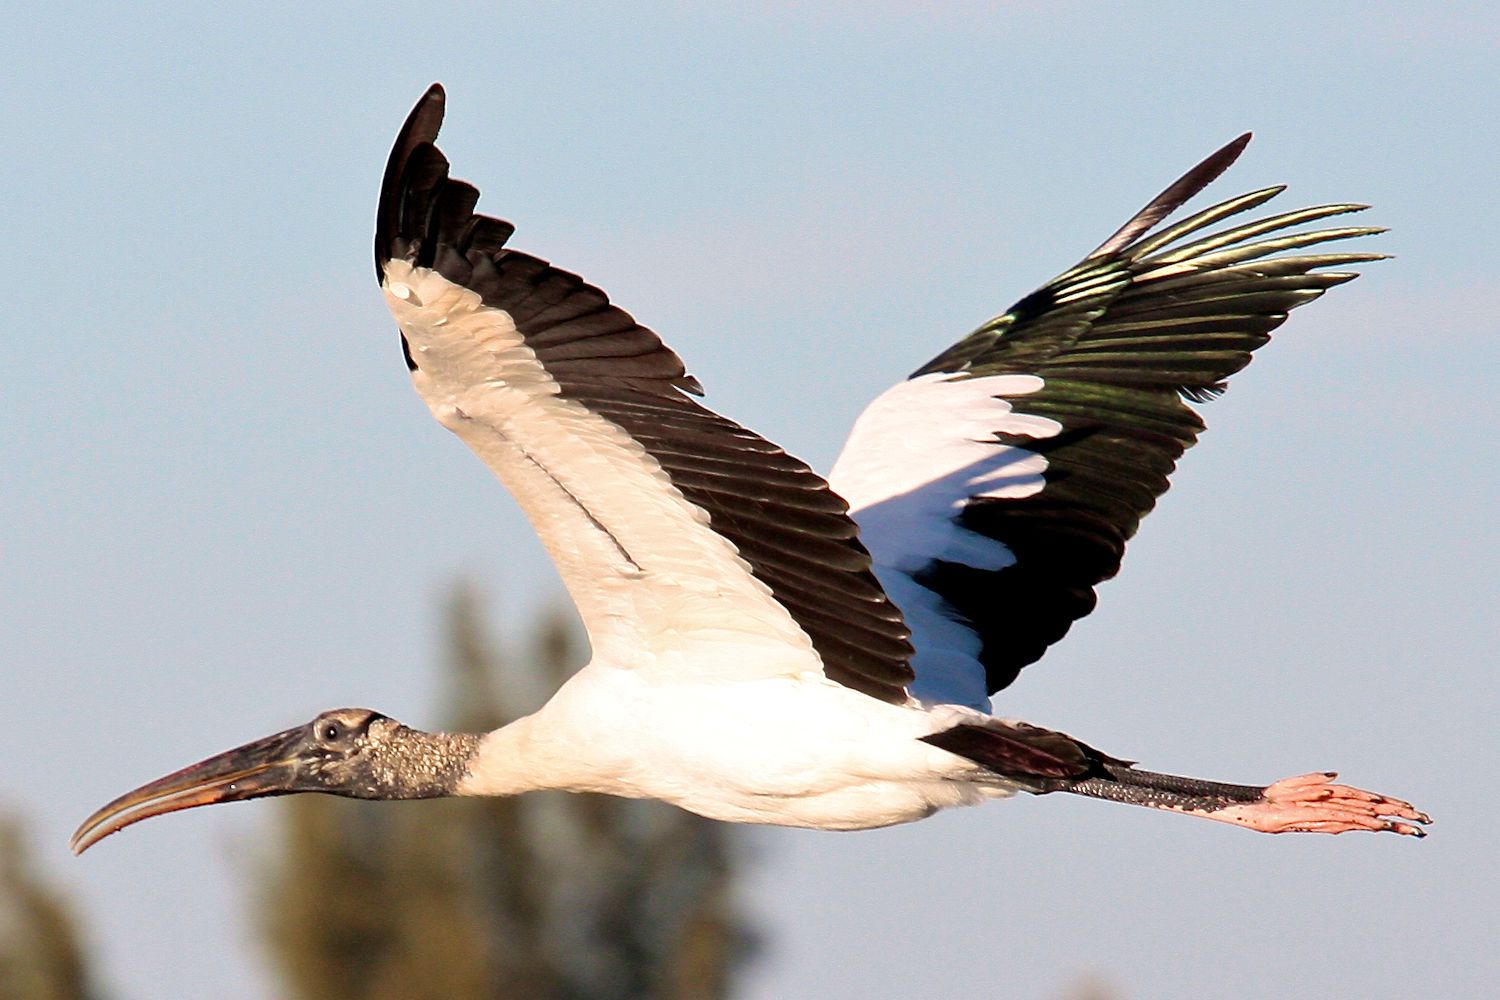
<point x="352" y="752"/>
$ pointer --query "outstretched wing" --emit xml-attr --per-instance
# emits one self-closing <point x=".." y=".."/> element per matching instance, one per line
<point x="1001" y="482"/>
<point x="688" y="542"/>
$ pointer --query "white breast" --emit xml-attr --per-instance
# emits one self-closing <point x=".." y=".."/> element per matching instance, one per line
<point x="786" y="751"/>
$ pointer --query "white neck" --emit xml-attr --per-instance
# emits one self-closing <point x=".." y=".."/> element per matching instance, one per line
<point x="529" y="755"/>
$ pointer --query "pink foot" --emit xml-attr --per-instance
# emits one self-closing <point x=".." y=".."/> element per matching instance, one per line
<point x="1311" y="803"/>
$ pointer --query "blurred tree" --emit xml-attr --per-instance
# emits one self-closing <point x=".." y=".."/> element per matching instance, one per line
<point x="1091" y="987"/>
<point x="41" y="955"/>
<point x="576" y="897"/>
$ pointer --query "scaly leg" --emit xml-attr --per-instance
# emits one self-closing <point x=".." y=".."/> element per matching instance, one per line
<point x="1308" y="803"/>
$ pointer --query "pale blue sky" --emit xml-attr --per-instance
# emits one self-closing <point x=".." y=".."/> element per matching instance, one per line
<point x="224" y="509"/>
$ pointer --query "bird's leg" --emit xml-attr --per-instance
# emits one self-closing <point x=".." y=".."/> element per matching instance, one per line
<point x="1307" y="803"/>
<point x="1042" y="761"/>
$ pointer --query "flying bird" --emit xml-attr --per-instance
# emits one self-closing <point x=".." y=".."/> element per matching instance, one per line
<point x="773" y="647"/>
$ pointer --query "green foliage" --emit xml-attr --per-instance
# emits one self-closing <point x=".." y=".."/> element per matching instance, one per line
<point x="41" y="954"/>
<point x="543" y="896"/>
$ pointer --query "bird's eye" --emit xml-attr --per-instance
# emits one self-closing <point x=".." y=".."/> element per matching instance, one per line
<point x="330" y="731"/>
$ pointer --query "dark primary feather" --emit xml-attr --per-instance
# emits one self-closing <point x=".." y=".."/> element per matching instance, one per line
<point x="1178" y="194"/>
<point x="792" y="530"/>
<point x="1120" y="341"/>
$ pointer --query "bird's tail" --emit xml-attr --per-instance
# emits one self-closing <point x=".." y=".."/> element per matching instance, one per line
<point x="1040" y="760"/>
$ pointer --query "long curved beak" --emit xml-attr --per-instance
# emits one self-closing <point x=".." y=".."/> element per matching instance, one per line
<point x="265" y="767"/>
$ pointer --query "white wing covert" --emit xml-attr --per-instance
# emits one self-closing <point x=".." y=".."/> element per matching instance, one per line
<point x="673" y="528"/>
<point x="999" y="484"/>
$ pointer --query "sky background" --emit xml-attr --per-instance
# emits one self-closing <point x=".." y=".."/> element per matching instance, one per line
<point x="224" y="509"/>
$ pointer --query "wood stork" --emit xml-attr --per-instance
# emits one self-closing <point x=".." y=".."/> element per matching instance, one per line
<point x="769" y="647"/>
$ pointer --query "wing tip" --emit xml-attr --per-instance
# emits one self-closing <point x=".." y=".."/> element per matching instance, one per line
<point x="422" y="125"/>
<point x="1176" y="194"/>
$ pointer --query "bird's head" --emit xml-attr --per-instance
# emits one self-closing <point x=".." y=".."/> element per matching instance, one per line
<point x="348" y="751"/>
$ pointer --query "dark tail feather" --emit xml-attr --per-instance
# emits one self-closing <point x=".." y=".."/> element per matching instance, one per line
<point x="1040" y="759"/>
